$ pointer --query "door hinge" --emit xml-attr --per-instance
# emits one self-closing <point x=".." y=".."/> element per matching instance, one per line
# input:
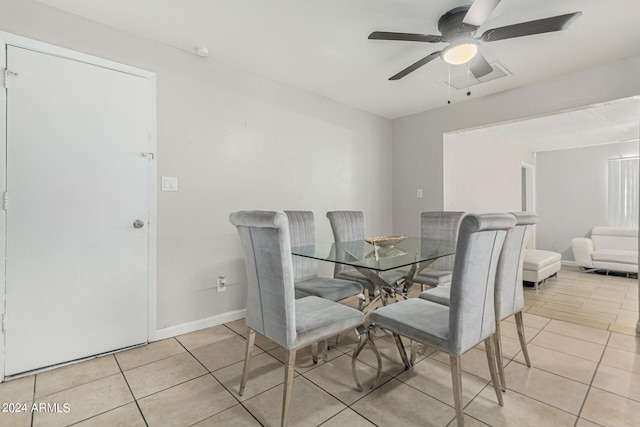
<point x="8" y="73"/>
<point x="149" y="156"/>
<point x="5" y="200"/>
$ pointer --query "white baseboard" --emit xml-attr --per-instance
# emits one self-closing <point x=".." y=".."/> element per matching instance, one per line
<point x="185" y="328"/>
<point x="567" y="262"/>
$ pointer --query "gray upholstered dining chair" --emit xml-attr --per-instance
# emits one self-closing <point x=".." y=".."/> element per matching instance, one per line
<point x="439" y="225"/>
<point x="272" y="309"/>
<point x="509" y="297"/>
<point x="305" y="270"/>
<point x="348" y="226"/>
<point x="469" y="319"/>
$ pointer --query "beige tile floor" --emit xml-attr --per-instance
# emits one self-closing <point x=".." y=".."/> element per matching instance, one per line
<point x="580" y="329"/>
<point x="597" y="300"/>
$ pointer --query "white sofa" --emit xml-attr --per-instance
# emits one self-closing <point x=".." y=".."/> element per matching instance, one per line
<point x="608" y="249"/>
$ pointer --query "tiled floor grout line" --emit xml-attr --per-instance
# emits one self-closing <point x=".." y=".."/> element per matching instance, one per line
<point x="512" y="359"/>
<point x="77" y="385"/>
<point x="335" y="415"/>
<point x="595" y="372"/>
<point x="131" y="391"/>
<point x="241" y="403"/>
<point x="105" y="412"/>
<point x="362" y="415"/>
<point x="33" y="398"/>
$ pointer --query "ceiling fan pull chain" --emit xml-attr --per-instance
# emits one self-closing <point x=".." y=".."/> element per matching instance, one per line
<point x="468" y="79"/>
<point x="449" y="85"/>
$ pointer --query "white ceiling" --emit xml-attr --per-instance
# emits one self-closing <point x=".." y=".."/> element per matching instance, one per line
<point x="606" y="123"/>
<point x="321" y="45"/>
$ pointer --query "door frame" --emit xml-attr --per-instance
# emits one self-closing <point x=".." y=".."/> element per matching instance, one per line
<point x="528" y="186"/>
<point x="37" y="46"/>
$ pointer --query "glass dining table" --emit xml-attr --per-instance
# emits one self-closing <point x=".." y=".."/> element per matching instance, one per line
<point x="411" y="254"/>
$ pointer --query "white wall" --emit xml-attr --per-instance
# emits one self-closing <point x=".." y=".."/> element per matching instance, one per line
<point x="417" y="139"/>
<point x="235" y="141"/>
<point x="572" y="193"/>
<point x="483" y="175"/>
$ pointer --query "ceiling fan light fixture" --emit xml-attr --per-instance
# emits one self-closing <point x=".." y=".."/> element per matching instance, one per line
<point x="460" y="53"/>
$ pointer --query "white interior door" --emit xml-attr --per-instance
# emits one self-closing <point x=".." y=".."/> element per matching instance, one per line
<point x="77" y="269"/>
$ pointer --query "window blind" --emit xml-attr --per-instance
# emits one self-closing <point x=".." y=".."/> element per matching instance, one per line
<point x="623" y="192"/>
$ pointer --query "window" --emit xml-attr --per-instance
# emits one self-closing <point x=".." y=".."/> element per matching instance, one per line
<point x="623" y="192"/>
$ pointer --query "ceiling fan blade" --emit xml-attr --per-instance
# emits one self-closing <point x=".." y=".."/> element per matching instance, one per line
<point x="480" y="66"/>
<point x="539" y="26"/>
<point x="479" y="12"/>
<point x="415" y="66"/>
<point x="384" y="35"/>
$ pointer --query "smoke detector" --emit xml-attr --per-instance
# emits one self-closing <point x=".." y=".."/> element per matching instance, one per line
<point x="202" y="52"/>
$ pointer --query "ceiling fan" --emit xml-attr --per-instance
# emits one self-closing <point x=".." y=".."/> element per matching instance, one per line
<point x="458" y="28"/>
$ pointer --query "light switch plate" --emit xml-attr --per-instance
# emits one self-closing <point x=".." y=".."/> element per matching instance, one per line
<point x="169" y="183"/>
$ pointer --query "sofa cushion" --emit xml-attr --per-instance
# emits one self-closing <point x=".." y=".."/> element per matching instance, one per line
<point x="614" y="231"/>
<point x="535" y="259"/>
<point x="615" y="255"/>
<point x="625" y="239"/>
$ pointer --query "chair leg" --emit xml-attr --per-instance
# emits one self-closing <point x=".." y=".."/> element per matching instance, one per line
<point x="499" y="360"/>
<point x="414" y="351"/>
<point x="324" y="345"/>
<point x="523" y="341"/>
<point x="289" y="364"/>
<point x="314" y="353"/>
<point x="402" y="351"/>
<point x="251" y="338"/>
<point x="491" y="359"/>
<point x="456" y="379"/>
<point x="365" y="335"/>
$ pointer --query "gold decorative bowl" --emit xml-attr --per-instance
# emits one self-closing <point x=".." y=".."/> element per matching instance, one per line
<point x="386" y="241"/>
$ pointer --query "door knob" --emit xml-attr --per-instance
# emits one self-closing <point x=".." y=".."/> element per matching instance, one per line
<point x="138" y="223"/>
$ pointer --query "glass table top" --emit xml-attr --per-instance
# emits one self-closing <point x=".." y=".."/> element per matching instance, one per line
<point x="359" y="253"/>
